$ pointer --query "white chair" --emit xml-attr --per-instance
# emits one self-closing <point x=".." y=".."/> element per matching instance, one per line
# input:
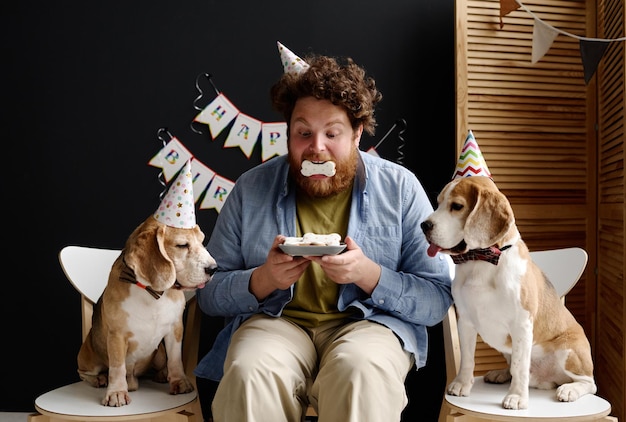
<point x="88" y="270"/>
<point x="563" y="267"/>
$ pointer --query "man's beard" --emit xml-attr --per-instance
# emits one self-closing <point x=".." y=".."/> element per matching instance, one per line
<point x="345" y="171"/>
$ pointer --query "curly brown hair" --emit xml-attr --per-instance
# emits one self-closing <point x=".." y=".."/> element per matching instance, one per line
<point x="343" y="83"/>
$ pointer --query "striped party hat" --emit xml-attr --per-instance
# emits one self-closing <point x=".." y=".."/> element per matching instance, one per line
<point x="177" y="206"/>
<point x="291" y="62"/>
<point x="471" y="161"/>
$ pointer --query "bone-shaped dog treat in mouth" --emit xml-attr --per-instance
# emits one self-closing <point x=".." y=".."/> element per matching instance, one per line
<point x="309" y="168"/>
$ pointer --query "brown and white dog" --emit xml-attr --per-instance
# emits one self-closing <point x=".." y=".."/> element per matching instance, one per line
<point x="511" y="304"/>
<point x="138" y="320"/>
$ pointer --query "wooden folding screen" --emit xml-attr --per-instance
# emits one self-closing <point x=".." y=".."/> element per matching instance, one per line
<point x="555" y="147"/>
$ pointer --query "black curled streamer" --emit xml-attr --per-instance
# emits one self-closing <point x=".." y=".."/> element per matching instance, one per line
<point x="401" y="123"/>
<point x="161" y="134"/>
<point x="200" y="96"/>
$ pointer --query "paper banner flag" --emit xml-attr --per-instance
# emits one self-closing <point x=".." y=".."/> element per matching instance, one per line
<point x="543" y="37"/>
<point x="201" y="177"/>
<point x="506" y="7"/>
<point x="217" y="193"/>
<point x="244" y="134"/>
<point x="171" y="158"/>
<point x="591" y="52"/>
<point x="471" y="161"/>
<point x="273" y="140"/>
<point x="218" y="114"/>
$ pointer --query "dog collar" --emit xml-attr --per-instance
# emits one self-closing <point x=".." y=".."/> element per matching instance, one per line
<point x="490" y="254"/>
<point x="128" y="275"/>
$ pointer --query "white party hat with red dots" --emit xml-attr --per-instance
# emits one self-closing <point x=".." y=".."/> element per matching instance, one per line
<point x="291" y="62"/>
<point x="471" y="161"/>
<point x="177" y="206"/>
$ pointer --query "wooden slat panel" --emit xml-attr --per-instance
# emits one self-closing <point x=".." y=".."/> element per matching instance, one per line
<point x="610" y="345"/>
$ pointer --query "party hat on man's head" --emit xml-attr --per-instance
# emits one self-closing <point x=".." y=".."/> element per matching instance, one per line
<point x="291" y="62"/>
<point x="471" y="161"/>
<point x="177" y="207"/>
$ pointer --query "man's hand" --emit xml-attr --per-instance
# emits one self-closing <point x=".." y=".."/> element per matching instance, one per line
<point x="352" y="266"/>
<point x="279" y="271"/>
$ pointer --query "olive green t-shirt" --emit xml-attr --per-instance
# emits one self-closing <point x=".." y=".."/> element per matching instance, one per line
<point x="315" y="296"/>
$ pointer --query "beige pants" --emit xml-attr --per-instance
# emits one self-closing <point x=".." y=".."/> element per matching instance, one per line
<point x="349" y="371"/>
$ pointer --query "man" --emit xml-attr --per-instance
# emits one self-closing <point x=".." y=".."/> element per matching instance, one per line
<point x="338" y="331"/>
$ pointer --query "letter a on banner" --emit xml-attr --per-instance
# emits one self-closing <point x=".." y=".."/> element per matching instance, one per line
<point x="217" y="115"/>
<point x="244" y="134"/>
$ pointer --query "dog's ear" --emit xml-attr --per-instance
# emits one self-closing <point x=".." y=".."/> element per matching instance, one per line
<point x="146" y="255"/>
<point x="490" y="219"/>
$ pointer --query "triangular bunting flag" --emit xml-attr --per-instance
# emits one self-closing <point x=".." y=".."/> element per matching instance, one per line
<point x="543" y="37"/>
<point x="506" y="7"/>
<point x="273" y="140"/>
<point x="591" y="52"/>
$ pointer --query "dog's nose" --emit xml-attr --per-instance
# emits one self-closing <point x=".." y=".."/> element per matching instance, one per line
<point x="210" y="270"/>
<point x="426" y="226"/>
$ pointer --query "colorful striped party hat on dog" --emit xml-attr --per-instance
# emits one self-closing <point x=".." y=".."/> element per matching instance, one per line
<point x="291" y="62"/>
<point x="471" y="161"/>
<point x="177" y="206"/>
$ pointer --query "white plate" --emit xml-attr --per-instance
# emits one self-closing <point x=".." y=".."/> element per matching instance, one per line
<point x="312" y="250"/>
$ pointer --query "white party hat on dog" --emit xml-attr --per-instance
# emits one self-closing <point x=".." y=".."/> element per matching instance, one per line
<point x="177" y="206"/>
<point x="291" y="62"/>
<point x="471" y="161"/>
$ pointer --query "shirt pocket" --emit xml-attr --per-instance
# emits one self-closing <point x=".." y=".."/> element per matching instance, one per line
<point x="383" y="245"/>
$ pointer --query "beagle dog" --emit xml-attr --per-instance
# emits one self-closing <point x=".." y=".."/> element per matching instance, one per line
<point x="502" y="295"/>
<point x="137" y="323"/>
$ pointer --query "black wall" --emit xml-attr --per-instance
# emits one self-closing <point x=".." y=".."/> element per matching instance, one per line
<point x="86" y="87"/>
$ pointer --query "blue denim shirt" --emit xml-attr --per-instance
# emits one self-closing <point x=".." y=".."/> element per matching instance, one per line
<point x="388" y="205"/>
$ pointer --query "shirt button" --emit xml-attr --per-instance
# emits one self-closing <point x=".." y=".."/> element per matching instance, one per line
<point x="250" y="308"/>
<point x="381" y="301"/>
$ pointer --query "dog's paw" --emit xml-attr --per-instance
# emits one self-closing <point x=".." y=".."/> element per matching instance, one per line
<point x="460" y="388"/>
<point x="515" y="402"/>
<point x="181" y="386"/>
<point x="575" y="390"/>
<point x="498" y="376"/>
<point x="116" y="398"/>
